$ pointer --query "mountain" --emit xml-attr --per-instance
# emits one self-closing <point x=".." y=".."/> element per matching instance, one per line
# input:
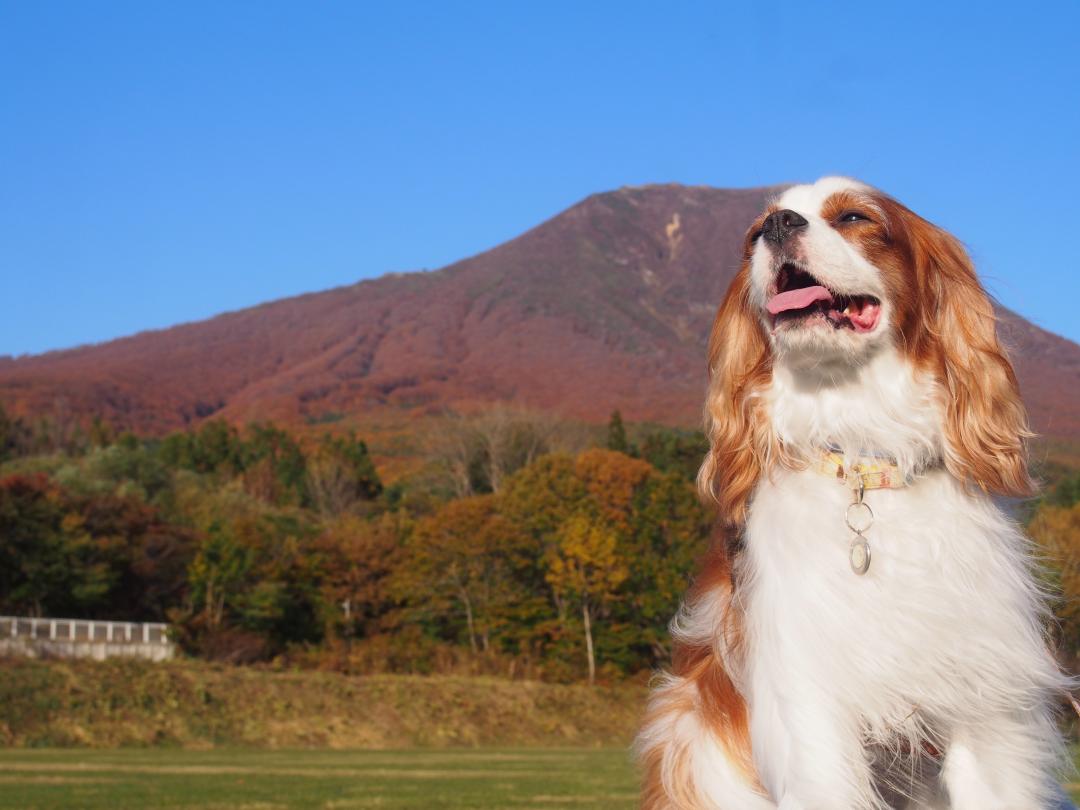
<point x="607" y="305"/>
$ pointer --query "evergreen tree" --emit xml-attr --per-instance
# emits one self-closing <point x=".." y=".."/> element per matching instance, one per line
<point x="616" y="434"/>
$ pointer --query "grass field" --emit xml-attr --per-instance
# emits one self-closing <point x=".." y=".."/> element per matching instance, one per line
<point x="419" y="779"/>
<point x="135" y="779"/>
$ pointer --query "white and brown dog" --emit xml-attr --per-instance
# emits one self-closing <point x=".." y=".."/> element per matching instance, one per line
<point x="868" y="632"/>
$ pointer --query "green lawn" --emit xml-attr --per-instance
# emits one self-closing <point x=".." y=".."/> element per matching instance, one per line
<point x="424" y="779"/>
<point x="134" y="779"/>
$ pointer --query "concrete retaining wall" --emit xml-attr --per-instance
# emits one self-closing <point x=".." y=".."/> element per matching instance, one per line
<point x="81" y="638"/>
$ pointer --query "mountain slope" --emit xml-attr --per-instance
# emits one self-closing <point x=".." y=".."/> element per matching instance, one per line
<point x="606" y="305"/>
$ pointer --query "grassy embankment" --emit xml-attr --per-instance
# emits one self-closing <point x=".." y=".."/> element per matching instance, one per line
<point x="196" y="705"/>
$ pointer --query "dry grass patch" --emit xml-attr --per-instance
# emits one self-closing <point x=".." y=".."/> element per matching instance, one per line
<point x="192" y="704"/>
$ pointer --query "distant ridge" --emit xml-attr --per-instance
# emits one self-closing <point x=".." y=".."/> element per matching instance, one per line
<point x="606" y="305"/>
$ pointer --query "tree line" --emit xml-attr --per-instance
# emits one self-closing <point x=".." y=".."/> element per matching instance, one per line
<point x="517" y="545"/>
<point x="512" y="548"/>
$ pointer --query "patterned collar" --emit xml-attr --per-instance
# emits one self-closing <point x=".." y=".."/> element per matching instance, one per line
<point x="872" y="470"/>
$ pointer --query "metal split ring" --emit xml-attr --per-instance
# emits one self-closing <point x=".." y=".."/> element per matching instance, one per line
<point x="859" y="517"/>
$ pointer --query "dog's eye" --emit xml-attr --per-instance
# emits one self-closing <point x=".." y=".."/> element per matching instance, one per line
<point x="852" y="216"/>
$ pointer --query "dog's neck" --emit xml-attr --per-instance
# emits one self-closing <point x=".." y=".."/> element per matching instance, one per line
<point x="880" y="407"/>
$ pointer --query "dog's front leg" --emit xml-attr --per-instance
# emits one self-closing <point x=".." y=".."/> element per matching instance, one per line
<point x="1004" y="764"/>
<point x="810" y="755"/>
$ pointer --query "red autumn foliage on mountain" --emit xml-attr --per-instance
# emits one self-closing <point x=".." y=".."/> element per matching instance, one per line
<point x="607" y="305"/>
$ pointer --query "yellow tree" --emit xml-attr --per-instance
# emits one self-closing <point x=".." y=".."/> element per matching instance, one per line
<point x="584" y="565"/>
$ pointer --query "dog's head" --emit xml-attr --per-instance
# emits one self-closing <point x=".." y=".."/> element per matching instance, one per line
<point x="824" y="274"/>
<point x="834" y="273"/>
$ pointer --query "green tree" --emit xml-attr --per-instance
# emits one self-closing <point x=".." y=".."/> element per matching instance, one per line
<point x="217" y="445"/>
<point x="59" y="554"/>
<point x="674" y="450"/>
<point x="341" y="475"/>
<point x="218" y="575"/>
<point x="214" y="446"/>
<point x="177" y="450"/>
<point x="126" y="468"/>
<point x="669" y="532"/>
<point x="1066" y="492"/>
<point x="616" y="434"/>
<point x="275" y="468"/>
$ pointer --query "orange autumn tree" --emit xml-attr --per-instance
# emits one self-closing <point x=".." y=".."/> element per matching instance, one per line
<point x="465" y="554"/>
<point x="358" y="559"/>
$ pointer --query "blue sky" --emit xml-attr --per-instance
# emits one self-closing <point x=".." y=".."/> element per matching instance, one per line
<point x="163" y="162"/>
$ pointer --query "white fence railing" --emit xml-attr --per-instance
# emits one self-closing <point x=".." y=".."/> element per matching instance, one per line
<point x="84" y="638"/>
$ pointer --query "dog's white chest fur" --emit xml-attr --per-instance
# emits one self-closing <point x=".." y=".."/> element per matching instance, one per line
<point x="923" y="637"/>
<point x="940" y="634"/>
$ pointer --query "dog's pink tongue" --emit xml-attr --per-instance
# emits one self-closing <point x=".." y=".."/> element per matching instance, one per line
<point x="797" y="299"/>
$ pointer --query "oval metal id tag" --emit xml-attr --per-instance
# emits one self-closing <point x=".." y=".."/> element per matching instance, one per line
<point x="859" y="555"/>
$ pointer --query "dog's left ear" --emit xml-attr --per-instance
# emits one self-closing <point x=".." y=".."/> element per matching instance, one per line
<point x="985" y="421"/>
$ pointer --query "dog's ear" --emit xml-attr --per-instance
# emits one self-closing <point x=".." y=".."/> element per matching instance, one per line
<point x="985" y="423"/>
<point x="740" y="439"/>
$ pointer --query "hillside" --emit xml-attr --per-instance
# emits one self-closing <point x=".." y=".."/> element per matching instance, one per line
<point x="606" y="305"/>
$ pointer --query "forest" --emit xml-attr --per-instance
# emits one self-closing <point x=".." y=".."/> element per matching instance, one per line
<point x="516" y="545"/>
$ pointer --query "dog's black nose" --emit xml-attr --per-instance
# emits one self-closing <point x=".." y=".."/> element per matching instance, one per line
<point x="779" y="225"/>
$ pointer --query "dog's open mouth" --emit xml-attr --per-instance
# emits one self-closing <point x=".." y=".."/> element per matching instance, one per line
<point x="799" y="295"/>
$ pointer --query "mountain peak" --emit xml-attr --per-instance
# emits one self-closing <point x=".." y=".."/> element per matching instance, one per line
<point x="606" y="305"/>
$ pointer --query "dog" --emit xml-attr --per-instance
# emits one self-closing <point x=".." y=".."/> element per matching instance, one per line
<point x="867" y="629"/>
